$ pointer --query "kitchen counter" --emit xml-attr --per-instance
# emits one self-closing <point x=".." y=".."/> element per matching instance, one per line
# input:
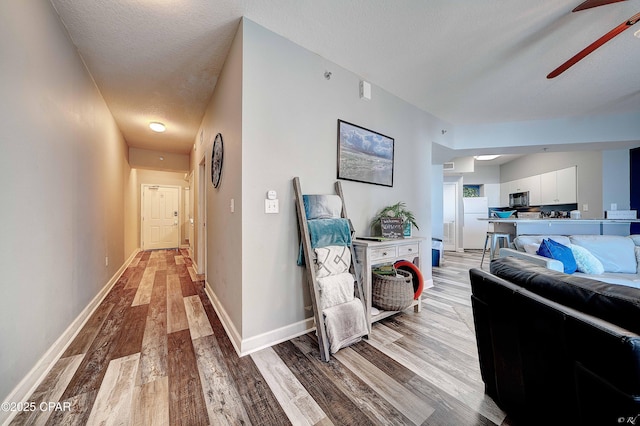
<point x="548" y="226"/>
<point x="553" y="219"/>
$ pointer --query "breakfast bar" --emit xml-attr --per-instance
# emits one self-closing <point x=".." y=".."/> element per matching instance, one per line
<point x="517" y="227"/>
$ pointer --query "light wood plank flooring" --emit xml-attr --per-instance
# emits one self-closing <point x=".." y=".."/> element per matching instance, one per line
<point x="155" y="353"/>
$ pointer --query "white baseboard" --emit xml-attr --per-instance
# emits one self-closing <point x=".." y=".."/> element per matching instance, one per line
<point x="246" y="346"/>
<point x="30" y="382"/>
<point x="273" y="337"/>
<point x="428" y="283"/>
<point x="231" y="330"/>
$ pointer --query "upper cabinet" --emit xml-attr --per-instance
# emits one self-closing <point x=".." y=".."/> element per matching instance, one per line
<point x="529" y="184"/>
<point x="557" y="187"/>
<point x="567" y="185"/>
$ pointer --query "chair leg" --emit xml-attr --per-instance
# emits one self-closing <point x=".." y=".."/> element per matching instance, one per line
<point x="484" y="250"/>
<point x="496" y="249"/>
<point x="494" y="240"/>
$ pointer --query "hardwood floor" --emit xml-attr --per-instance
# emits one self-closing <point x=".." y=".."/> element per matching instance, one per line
<point x="155" y="353"/>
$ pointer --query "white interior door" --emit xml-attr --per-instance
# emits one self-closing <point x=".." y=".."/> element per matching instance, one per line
<point x="160" y="217"/>
<point x="450" y="215"/>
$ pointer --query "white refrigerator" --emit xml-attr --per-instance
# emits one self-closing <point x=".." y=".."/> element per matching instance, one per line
<point x="474" y="231"/>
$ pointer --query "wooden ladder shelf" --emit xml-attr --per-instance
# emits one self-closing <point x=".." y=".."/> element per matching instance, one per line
<point x="310" y="269"/>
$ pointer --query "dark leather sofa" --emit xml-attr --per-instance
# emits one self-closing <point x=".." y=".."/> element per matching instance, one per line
<point x="555" y="348"/>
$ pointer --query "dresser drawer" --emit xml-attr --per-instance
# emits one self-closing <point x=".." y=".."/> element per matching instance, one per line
<point x="383" y="253"/>
<point x="408" y="249"/>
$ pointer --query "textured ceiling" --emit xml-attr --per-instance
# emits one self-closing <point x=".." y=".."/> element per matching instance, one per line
<point x="463" y="61"/>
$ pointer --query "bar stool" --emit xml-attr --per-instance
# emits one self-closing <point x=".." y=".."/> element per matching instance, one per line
<point x="496" y="238"/>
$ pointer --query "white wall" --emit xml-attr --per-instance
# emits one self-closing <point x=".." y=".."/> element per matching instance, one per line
<point x="615" y="179"/>
<point x="157" y="160"/>
<point x="569" y="130"/>
<point x="482" y="175"/>
<point x="289" y="128"/>
<point x="224" y="272"/>
<point x="63" y="163"/>
<point x="437" y="219"/>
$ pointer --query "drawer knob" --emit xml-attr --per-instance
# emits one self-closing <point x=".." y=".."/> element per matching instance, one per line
<point x="384" y="253"/>
<point x="410" y="250"/>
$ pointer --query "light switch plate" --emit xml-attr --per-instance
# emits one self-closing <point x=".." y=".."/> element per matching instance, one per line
<point x="271" y="206"/>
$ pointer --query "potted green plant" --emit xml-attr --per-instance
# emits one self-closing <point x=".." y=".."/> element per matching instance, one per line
<point x="398" y="210"/>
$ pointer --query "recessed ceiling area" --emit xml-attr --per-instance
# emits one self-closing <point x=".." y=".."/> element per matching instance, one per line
<point x="464" y="62"/>
<point x="441" y="154"/>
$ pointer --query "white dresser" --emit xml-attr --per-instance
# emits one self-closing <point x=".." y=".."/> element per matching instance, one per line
<point x="370" y="253"/>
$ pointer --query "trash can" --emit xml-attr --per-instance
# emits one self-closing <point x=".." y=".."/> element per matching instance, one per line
<point x="437" y="250"/>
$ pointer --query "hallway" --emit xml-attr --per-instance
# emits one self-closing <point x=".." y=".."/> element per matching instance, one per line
<point x="149" y="355"/>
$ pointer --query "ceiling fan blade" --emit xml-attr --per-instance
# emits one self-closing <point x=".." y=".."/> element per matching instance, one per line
<point x="593" y="3"/>
<point x="593" y="46"/>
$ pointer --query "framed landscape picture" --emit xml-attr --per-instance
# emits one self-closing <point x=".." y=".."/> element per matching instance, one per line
<point x="364" y="155"/>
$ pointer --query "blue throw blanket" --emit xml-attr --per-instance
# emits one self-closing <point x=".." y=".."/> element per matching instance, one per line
<point x="327" y="232"/>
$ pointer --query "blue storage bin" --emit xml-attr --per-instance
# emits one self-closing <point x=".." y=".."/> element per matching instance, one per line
<point x="436" y="251"/>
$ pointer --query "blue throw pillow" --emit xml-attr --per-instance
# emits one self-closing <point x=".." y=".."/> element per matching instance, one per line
<point x="554" y="250"/>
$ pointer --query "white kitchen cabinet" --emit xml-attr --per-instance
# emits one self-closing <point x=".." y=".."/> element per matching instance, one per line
<point x="492" y="192"/>
<point x="548" y="188"/>
<point x="505" y="190"/>
<point x="529" y="184"/>
<point x="567" y="185"/>
<point x="518" y="185"/>
<point x="559" y="187"/>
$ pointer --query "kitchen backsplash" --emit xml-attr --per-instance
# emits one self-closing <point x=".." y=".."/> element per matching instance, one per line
<point x="559" y="210"/>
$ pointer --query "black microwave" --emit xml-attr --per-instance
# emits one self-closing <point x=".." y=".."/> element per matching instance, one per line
<point x="519" y="199"/>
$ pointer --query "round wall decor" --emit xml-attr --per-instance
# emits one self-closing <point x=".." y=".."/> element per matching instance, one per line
<point x="216" y="160"/>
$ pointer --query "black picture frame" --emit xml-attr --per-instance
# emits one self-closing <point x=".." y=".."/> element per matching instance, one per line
<point x="364" y="155"/>
<point x="217" y="155"/>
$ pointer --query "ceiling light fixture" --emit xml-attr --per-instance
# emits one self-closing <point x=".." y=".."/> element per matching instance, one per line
<point x="486" y="157"/>
<point x="157" y="126"/>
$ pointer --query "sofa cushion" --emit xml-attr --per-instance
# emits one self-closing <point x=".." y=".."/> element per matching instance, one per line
<point x="554" y="250"/>
<point x="630" y="280"/>
<point x="614" y="303"/>
<point x="522" y="240"/>
<point x="616" y="252"/>
<point x="585" y="261"/>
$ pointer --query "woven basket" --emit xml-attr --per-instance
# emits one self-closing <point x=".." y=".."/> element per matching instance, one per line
<point x="391" y="293"/>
